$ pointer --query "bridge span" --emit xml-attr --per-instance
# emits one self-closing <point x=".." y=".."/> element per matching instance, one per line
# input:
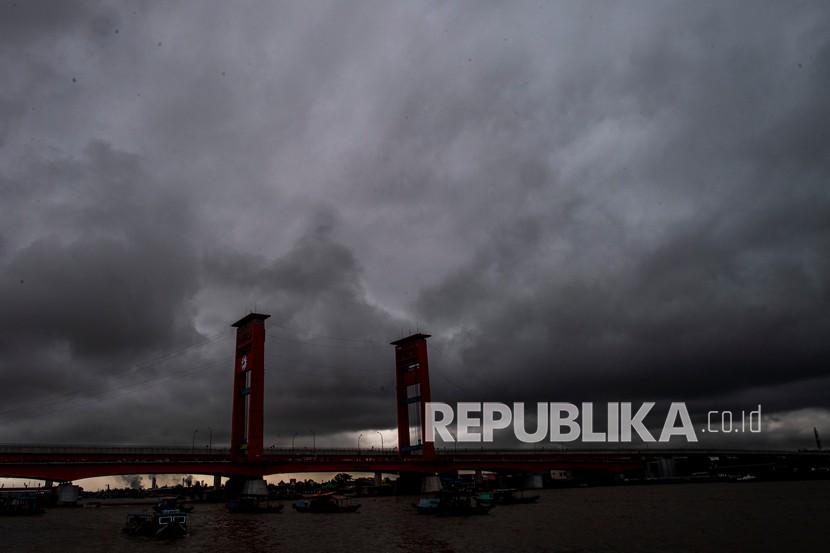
<point x="58" y="463"/>
<point x="72" y="463"/>
<point x="247" y="457"/>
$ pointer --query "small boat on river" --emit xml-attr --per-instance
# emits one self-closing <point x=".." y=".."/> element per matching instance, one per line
<point x="12" y="504"/>
<point x="169" y="523"/>
<point x="454" y="504"/>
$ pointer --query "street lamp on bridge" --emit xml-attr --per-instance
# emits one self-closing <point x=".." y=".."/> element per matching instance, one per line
<point x="381" y="439"/>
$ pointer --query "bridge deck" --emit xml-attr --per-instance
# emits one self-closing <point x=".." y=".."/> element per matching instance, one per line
<point x="56" y="462"/>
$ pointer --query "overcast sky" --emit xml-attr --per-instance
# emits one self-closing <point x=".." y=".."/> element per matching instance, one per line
<point x="580" y="201"/>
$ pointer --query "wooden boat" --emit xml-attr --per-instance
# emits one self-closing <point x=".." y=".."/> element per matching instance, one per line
<point x="486" y="497"/>
<point x="12" y="504"/>
<point x="453" y="504"/>
<point x="428" y="505"/>
<point x="169" y="523"/>
<point x="328" y="502"/>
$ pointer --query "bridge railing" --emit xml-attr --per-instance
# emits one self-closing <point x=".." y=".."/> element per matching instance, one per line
<point x="114" y="450"/>
<point x="224" y="452"/>
<point x="333" y="451"/>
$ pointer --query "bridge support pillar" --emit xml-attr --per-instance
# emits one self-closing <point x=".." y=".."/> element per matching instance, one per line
<point x="239" y="485"/>
<point x="533" y="481"/>
<point x="378" y="479"/>
<point x="68" y="493"/>
<point x="47" y="483"/>
<point x="431" y="484"/>
<point x="217" y="481"/>
<point x="255" y="486"/>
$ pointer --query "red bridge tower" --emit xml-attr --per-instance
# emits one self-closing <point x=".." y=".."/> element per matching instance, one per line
<point x="412" y="378"/>
<point x="248" y="387"/>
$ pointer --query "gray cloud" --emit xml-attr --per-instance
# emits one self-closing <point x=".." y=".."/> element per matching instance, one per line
<point x="580" y="202"/>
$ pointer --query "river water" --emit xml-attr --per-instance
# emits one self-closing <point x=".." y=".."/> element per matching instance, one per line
<point x="752" y="516"/>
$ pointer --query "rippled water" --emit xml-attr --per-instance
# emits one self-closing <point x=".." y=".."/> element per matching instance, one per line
<point x="782" y="516"/>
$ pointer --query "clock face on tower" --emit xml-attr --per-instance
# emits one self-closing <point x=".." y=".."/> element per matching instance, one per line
<point x="243" y="363"/>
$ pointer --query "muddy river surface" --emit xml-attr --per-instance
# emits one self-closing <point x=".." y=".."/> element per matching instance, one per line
<point x="756" y="516"/>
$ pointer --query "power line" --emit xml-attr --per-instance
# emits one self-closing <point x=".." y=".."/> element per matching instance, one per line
<point x="175" y="353"/>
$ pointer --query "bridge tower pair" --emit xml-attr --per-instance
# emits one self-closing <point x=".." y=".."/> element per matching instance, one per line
<point x="247" y="425"/>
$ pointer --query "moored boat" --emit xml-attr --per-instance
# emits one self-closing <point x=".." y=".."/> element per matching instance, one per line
<point x="453" y="504"/>
<point x="428" y="505"/>
<point x="20" y="504"/>
<point x="168" y="523"/>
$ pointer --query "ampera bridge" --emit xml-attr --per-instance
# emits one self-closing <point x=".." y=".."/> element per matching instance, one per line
<point x="247" y="458"/>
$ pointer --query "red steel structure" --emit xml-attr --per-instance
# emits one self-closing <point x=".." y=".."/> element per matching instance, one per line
<point x="412" y="385"/>
<point x="248" y="388"/>
<point x="61" y="464"/>
<point x="246" y="457"/>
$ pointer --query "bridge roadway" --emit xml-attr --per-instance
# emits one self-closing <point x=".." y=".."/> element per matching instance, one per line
<point x="65" y="463"/>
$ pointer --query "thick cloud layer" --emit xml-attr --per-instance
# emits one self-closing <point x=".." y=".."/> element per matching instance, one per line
<point x="579" y="201"/>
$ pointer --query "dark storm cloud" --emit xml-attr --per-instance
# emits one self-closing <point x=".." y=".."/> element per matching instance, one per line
<point x="26" y="22"/>
<point x="97" y="265"/>
<point x="580" y="202"/>
<point x="111" y="263"/>
<point x="727" y="295"/>
<point x="318" y="364"/>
